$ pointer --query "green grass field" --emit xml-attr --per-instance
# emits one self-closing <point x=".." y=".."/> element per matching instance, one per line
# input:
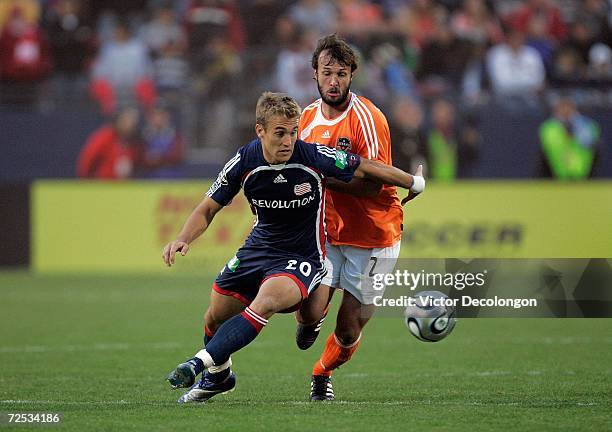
<point x="97" y="349"/>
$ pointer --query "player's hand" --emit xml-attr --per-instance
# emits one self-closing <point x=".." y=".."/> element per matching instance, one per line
<point x="171" y="249"/>
<point x="411" y="194"/>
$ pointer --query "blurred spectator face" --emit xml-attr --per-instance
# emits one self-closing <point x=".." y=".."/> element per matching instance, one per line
<point x="127" y="123"/>
<point x="408" y="114"/>
<point x="17" y="25"/>
<point x="122" y="34"/>
<point x="516" y="39"/>
<point x="333" y="80"/>
<point x="567" y="63"/>
<point x="475" y="7"/>
<point x="159" y="118"/>
<point x="443" y="114"/>
<point x="165" y="15"/>
<point x="564" y="109"/>
<point x="581" y="32"/>
<point x="538" y="27"/>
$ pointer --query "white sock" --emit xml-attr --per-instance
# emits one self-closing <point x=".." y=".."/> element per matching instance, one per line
<point x="206" y="358"/>
<point x="220" y="368"/>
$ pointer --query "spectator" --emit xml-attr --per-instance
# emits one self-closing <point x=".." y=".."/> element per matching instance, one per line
<point x="122" y="72"/>
<point x="451" y="148"/>
<point x="361" y="22"/>
<point x="318" y="15"/>
<point x="568" y="68"/>
<point x="30" y="11"/>
<point x="387" y="75"/>
<point x="113" y="151"/>
<point x="24" y="59"/>
<point x="417" y="21"/>
<point x="568" y="142"/>
<point x="72" y="43"/>
<point x="475" y="22"/>
<point x="555" y="27"/>
<point x="293" y="69"/>
<point x="540" y="40"/>
<point x="600" y="63"/>
<point x="580" y="39"/>
<point x="163" y="145"/>
<point x="407" y="135"/>
<point x="443" y="61"/>
<point x="170" y="72"/>
<point x="516" y="71"/>
<point x="163" y="30"/>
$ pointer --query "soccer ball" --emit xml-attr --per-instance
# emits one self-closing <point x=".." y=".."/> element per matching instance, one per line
<point x="430" y="319"/>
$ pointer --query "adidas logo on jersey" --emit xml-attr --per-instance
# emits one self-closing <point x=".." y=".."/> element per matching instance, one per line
<point x="280" y="179"/>
<point x="325" y="135"/>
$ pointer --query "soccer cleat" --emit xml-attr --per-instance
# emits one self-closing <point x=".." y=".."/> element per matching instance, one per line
<point x="183" y="376"/>
<point x="205" y="389"/>
<point x="321" y="388"/>
<point x="306" y="335"/>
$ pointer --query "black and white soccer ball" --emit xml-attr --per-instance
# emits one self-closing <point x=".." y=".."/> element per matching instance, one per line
<point x="428" y="320"/>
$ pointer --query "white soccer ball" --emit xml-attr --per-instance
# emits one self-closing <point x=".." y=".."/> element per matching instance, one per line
<point x="432" y="317"/>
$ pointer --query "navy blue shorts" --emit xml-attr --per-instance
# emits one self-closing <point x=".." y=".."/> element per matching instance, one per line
<point x="250" y="268"/>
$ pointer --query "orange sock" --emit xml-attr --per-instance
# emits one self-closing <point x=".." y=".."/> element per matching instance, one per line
<point x="334" y="355"/>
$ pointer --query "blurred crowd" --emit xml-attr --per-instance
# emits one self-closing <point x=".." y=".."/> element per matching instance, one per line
<point x="431" y="65"/>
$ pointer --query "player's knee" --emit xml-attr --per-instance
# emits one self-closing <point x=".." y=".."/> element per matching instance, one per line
<point x="211" y="321"/>
<point x="348" y="335"/>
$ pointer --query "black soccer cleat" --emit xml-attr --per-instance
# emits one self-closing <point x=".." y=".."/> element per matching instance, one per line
<point x="321" y="388"/>
<point x="306" y="335"/>
<point x="183" y="376"/>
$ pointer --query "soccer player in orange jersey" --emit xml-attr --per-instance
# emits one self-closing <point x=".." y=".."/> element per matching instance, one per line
<point x="364" y="220"/>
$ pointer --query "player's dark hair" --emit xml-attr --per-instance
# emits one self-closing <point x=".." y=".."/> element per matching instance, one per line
<point x="337" y="49"/>
<point x="271" y="104"/>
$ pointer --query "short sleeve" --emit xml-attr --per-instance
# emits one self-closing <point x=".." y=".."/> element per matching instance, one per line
<point x="334" y="163"/>
<point x="227" y="184"/>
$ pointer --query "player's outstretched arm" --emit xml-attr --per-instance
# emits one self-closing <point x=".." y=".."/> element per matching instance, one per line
<point x="390" y="175"/>
<point x="197" y="222"/>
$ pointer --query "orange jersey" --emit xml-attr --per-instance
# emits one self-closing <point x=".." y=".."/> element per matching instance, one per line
<point x="361" y="129"/>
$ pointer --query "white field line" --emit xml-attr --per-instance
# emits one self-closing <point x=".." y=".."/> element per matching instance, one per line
<point x="535" y="404"/>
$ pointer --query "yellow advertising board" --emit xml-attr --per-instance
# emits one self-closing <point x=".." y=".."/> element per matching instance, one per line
<point x="123" y="226"/>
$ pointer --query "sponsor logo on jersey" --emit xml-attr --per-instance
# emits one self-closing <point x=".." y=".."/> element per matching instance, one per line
<point x="280" y="179"/>
<point x="344" y="144"/>
<point x="283" y="204"/>
<point x="302" y="189"/>
<point x="326" y="135"/>
<point x="341" y="159"/>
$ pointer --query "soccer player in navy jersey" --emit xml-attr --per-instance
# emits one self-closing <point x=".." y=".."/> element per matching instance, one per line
<point x="282" y="261"/>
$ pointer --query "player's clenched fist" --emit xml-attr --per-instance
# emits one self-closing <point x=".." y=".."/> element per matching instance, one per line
<point x="172" y="248"/>
<point x="418" y="185"/>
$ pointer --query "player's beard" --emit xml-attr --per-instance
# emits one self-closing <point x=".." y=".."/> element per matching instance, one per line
<point x="335" y="102"/>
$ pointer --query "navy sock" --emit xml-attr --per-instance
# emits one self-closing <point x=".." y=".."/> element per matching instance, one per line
<point x="234" y="334"/>
<point x="218" y="377"/>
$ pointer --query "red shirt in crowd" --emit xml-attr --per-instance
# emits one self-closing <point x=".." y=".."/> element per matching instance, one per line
<point x="108" y="156"/>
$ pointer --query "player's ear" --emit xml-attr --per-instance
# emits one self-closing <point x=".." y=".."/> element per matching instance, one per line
<point x="259" y="130"/>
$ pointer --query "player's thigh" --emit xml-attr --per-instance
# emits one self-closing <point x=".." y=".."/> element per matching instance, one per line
<point x="305" y="275"/>
<point x="276" y="294"/>
<point x="334" y="261"/>
<point x="221" y="308"/>
<point x="357" y="276"/>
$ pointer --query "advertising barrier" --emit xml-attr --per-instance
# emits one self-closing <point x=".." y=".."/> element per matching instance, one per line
<point x="123" y="226"/>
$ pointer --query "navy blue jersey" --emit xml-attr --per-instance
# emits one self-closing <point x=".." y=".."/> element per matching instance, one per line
<point x="287" y="199"/>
